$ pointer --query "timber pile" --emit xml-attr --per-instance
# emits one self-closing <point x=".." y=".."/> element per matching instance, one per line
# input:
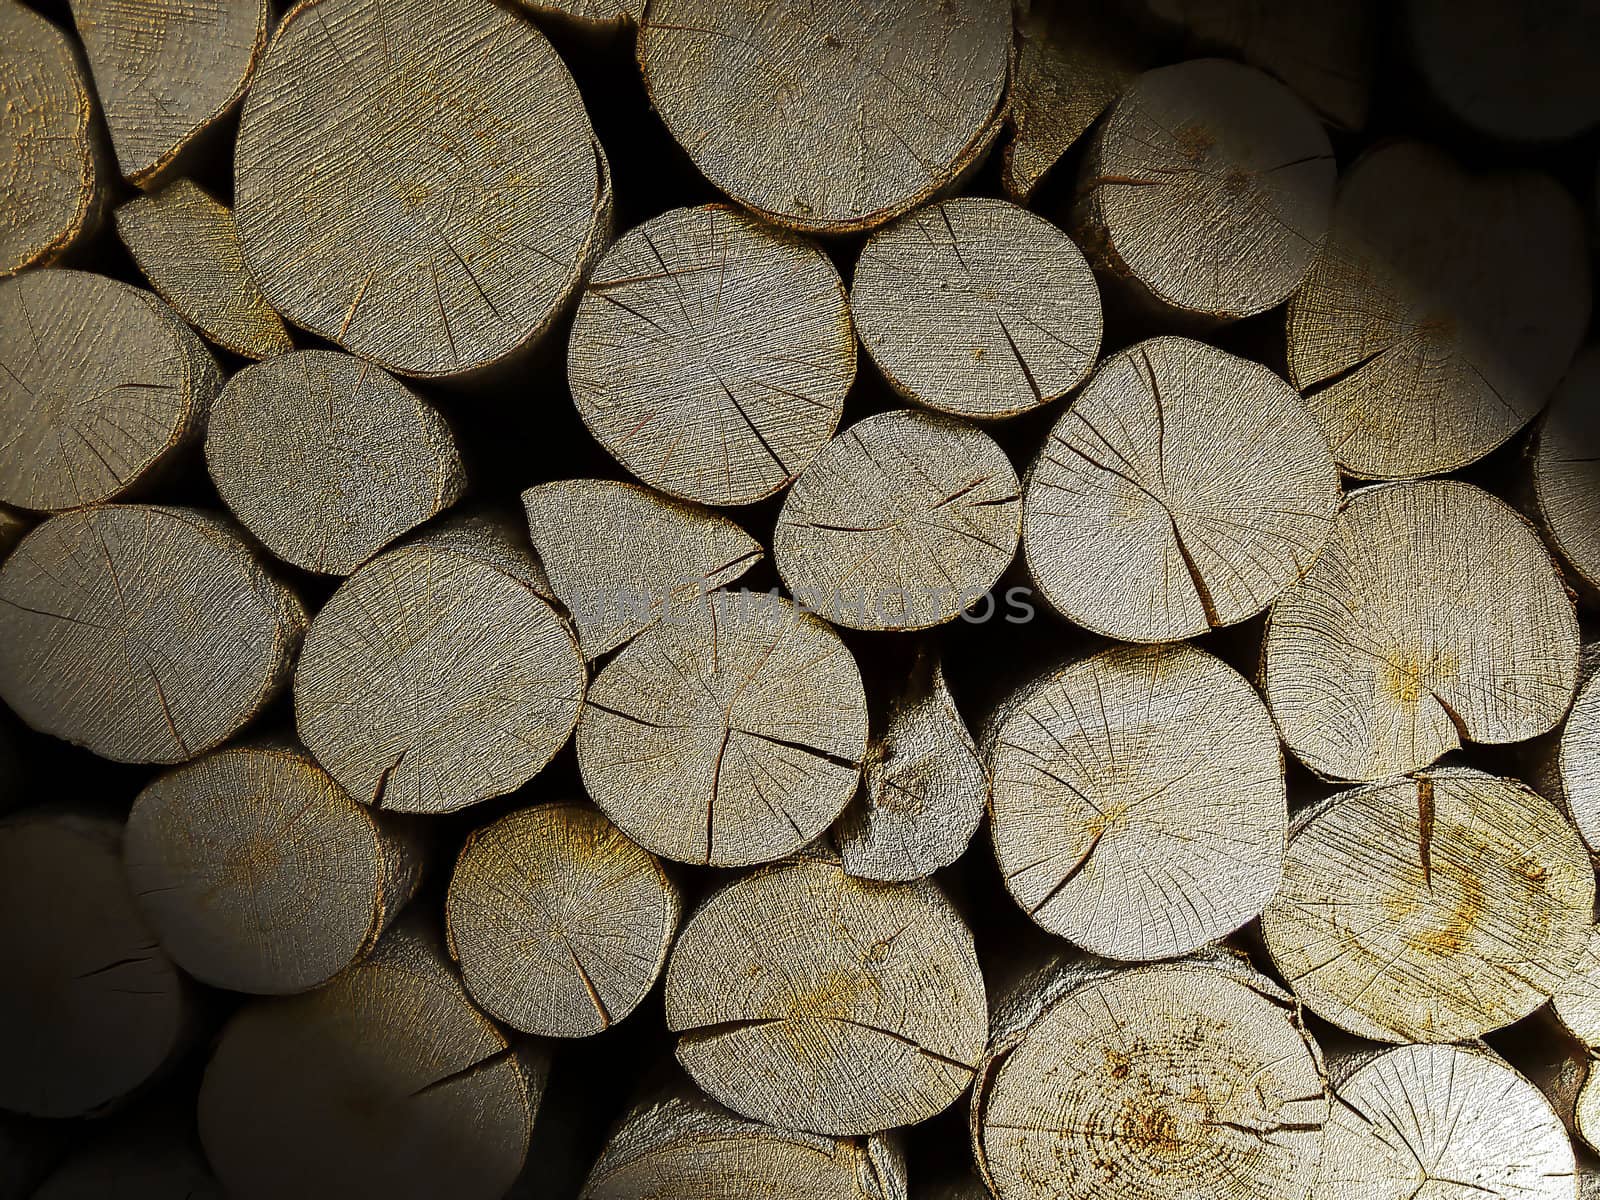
<point x="710" y="600"/>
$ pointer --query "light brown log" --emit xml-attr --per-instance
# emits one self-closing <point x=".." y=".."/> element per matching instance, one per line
<point x="1431" y="909"/>
<point x="1434" y="617"/>
<point x="977" y="308"/>
<point x="619" y="556"/>
<point x="386" y="1082"/>
<point x="417" y="180"/>
<point x="57" y="165"/>
<point x="92" y="1009"/>
<point x="923" y="786"/>
<point x="1576" y="1003"/>
<point x="1193" y="1079"/>
<point x="187" y="245"/>
<point x="728" y="735"/>
<point x="901" y="522"/>
<point x="602" y="16"/>
<point x="1513" y="73"/>
<point x="1206" y="191"/>
<point x="1412" y="339"/>
<point x="711" y="354"/>
<point x="166" y="72"/>
<point x="1184" y="489"/>
<point x="1569" y="772"/>
<point x="101" y="386"/>
<point x="814" y="1001"/>
<point x="1566" y="470"/>
<point x="1445" y="1121"/>
<point x="560" y="923"/>
<point x="147" y="634"/>
<point x="439" y="675"/>
<point x="258" y="873"/>
<point x="326" y="459"/>
<point x="833" y="119"/>
<point x="153" y="1155"/>
<point x="1138" y="801"/>
<point x="680" y="1146"/>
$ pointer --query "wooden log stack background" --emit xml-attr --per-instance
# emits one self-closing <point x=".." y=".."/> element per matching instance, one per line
<point x="852" y="600"/>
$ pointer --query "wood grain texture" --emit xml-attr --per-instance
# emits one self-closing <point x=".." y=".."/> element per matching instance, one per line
<point x="1446" y="1121"/>
<point x="901" y="522"/>
<point x="167" y="70"/>
<point x="1576" y="1003"/>
<point x="1434" y="617"/>
<point x="1430" y="909"/>
<point x="1206" y="191"/>
<point x="259" y="874"/>
<point x="146" y="634"/>
<point x="560" y="923"/>
<point x="326" y="459"/>
<point x="417" y="180"/>
<point x="56" y="163"/>
<point x="924" y="787"/>
<point x="833" y="117"/>
<point x="589" y="15"/>
<point x="187" y="245"/>
<point x="101" y="386"/>
<point x="1565" y="455"/>
<point x="977" y="308"/>
<point x="711" y="354"/>
<point x="1184" y="489"/>
<point x="1441" y="312"/>
<point x="1576" y="785"/>
<point x="619" y="556"/>
<point x="731" y="734"/>
<point x="385" y="1082"/>
<point x="680" y="1146"/>
<point x="1138" y="801"/>
<point x="1193" y="1079"/>
<point x="439" y="675"/>
<point x="814" y="1001"/>
<point x="92" y="1008"/>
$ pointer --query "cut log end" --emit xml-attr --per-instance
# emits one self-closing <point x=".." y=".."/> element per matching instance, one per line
<point x="1566" y="471"/>
<point x="1578" y="760"/>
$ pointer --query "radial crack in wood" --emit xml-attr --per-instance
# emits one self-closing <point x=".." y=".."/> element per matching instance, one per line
<point x="1432" y="909"/>
<point x="811" y="1000"/>
<point x="1566" y="471"/>
<point x="711" y="354"/>
<point x="439" y="675"/>
<point x="327" y="459"/>
<point x="1441" y="312"/>
<point x="1184" y="489"/>
<point x="417" y="180"/>
<point x="145" y="634"/>
<point x="728" y="735"/>
<point x="1434" y="616"/>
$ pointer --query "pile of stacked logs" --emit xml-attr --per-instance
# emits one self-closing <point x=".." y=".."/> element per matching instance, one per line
<point x="702" y="599"/>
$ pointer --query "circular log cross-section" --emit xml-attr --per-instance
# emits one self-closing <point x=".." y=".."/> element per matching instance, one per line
<point x="386" y="1082"/>
<point x="438" y="675"/>
<point x="977" y="308"/>
<point x="1566" y="470"/>
<point x="811" y="1000"/>
<point x="91" y="1008"/>
<point x="1138" y="801"/>
<point x="901" y="522"/>
<point x="1412" y="339"/>
<point x="832" y="119"/>
<point x="259" y="874"/>
<point x="187" y="245"/>
<point x="683" y="1147"/>
<point x="1183" y="490"/>
<point x="1206" y="191"/>
<point x="1576" y="1003"/>
<point x="1434" y="617"/>
<point x="729" y="735"/>
<point x="417" y="180"/>
<point x="146" y="634"/>
<point x="100" y="386"/>
<point x="327" y="459"/>
<point x="1432" y="909"/>
<point x="55" y="180"/>
<point x="711" y="354"/>
<point x="1578" y="763"/>
<point x="560" y="923"/>
<point x="1183" y="1079"/>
